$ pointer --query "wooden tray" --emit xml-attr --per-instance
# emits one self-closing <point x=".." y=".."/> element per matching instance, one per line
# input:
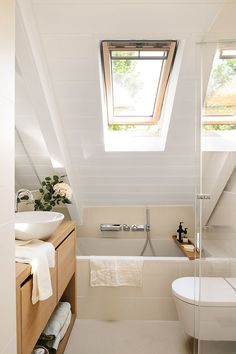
<point x="190" y="255"/>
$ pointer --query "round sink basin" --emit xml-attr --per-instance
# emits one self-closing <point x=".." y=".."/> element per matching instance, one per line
<point x="36" y="224"/>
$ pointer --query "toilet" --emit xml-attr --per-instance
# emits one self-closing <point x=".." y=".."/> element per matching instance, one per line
<point x="206" y="307"/>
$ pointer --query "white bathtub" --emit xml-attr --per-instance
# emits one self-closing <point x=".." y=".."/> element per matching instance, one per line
<point x="125" y="247"/>
<point x="152" y="301"/>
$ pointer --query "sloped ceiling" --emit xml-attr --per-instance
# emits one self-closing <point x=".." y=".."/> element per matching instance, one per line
<point x="68" y="34"/>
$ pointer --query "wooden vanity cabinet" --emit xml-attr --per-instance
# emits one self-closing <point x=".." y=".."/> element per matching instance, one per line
<point x="31" y="319"/>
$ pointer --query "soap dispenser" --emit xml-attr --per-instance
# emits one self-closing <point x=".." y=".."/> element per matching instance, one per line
<point x="180" y="231"/>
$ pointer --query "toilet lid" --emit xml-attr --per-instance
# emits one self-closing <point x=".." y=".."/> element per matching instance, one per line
<point x="208" y="291"/>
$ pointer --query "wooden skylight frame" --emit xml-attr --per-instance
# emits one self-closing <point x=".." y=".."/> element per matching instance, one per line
<point x="168" y="47"/>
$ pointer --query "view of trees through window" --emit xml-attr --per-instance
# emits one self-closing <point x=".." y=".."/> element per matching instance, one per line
<point x="136" y="74"/>
<point x="220" y="102"/>
<point x="135" y="83"/>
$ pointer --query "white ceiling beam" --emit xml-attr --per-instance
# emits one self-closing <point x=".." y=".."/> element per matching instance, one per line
<point x="34" y="72"/>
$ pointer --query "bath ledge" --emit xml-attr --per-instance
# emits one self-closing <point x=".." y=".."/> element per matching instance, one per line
<point x="191" y="255"/>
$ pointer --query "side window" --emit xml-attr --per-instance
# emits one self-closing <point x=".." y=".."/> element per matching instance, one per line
<point x="219" y="111"/>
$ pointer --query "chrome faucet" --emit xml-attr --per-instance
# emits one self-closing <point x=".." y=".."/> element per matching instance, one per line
<point x="139" y="227"/>
<point x="23" y="194"/>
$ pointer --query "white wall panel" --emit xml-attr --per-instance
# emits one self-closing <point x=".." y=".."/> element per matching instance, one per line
<point x="7" y="264"/>
<point x="84" y="18"/>
<point x="70" y="34"/>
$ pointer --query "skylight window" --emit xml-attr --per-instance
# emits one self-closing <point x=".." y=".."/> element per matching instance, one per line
<point x="220" y="102"/>
<point x="136" y="75"/>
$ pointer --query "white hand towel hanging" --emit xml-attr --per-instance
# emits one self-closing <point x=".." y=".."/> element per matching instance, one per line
<point x="116" y="271"/>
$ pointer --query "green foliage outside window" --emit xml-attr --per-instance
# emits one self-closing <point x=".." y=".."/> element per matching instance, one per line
<point x="219" y="126"/>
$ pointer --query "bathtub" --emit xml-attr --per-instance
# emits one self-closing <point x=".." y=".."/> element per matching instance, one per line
<point x="154" y="300"/>
<point x="151" y="302"/>
<point x="125" y="247"/>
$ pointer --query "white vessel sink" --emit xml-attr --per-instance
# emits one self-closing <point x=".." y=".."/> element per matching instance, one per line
<point x="36" y="224"/>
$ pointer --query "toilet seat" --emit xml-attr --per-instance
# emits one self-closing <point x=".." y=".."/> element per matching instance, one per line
<point x="213" y="291"/>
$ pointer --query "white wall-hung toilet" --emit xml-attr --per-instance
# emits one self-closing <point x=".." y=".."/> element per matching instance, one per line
<point x="206" y="307"/>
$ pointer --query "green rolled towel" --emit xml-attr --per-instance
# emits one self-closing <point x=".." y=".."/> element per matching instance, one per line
<point x="53" y="345"/>
<point x="56" y="321"/>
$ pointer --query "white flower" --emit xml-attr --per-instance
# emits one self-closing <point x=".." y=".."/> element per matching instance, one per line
<point x="63" y="189"/>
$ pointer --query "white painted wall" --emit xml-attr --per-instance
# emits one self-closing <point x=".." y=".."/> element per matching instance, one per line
<point x="69" y="35"/>
<point x="7" y="264"/>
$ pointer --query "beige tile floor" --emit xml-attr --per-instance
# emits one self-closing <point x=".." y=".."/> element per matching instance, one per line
<point x="128" y="337"/>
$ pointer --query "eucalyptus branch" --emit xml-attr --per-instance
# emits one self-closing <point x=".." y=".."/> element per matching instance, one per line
<point x="53" y="192"/>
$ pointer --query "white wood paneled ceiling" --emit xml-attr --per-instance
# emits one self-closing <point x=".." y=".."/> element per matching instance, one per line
<point x="65" y="37"/>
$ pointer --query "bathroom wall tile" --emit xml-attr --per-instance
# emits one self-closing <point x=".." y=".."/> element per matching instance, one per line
<point x="164" y="220"/>
<point x="93" y="217"/>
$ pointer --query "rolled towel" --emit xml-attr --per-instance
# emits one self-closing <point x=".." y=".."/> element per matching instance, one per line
<point x="53" y="345"/>
<point x="56" y="321"/>
<point x="41" y="256"/>
<point x="116" y="271"/>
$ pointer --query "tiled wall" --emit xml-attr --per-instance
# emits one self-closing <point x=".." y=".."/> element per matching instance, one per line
<point x="7" y="274"/>
<point x="153" y="301"/>
<point x="164" y="220"/>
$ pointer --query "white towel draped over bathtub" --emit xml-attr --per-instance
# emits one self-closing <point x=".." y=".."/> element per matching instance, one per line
<point x="116" y="271"/>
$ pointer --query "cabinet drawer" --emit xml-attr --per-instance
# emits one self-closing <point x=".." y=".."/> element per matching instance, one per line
<point x="35" y="317"/>
<point x="65" y="262"/>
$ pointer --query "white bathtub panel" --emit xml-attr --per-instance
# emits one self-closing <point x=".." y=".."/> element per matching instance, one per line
<point x="158" y="276"/>
<point x="188" y="269"/>
<point x="233" y="267"/>
<point x="107" y="308"/>
<point x="152" y="301"/>
<point x="157" y="279"/>
<point x="83" y="278"/>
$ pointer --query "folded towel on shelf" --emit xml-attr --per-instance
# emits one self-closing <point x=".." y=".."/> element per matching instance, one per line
<point x="116" y="271"/>
<point x="53" y="344"/>
<point x="56" y="321"/>
<point x="41" y="256"/>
